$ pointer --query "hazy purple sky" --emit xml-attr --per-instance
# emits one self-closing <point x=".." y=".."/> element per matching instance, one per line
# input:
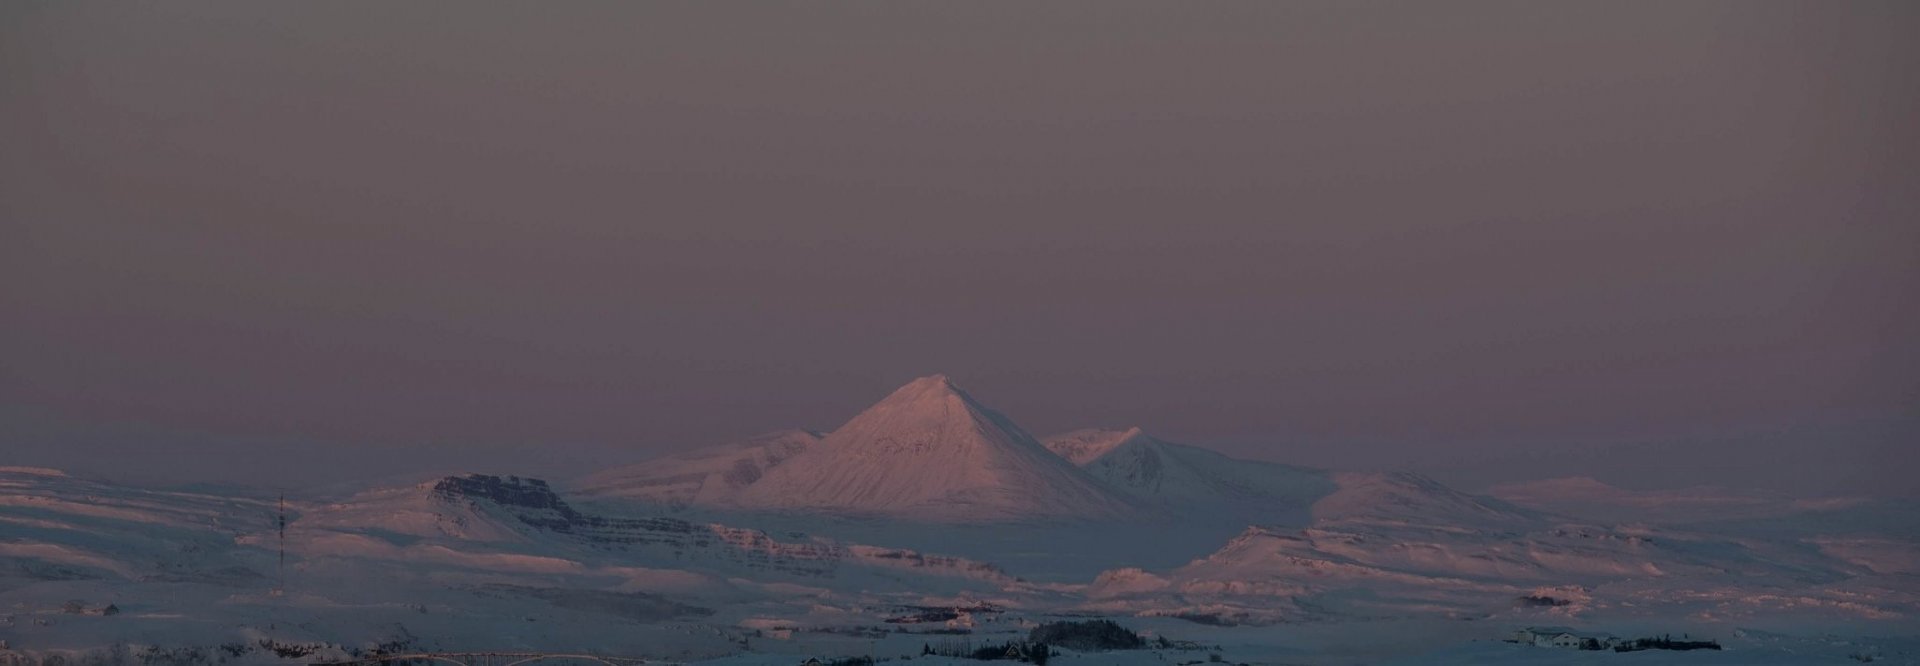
<point x="1655" y="243"/>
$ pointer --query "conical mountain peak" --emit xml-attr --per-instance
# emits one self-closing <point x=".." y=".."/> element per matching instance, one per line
<point x="930" y="450"/>
<point x="926" y="411"/>
<point x="933" y="380"/>
<point x="932" y="392"/>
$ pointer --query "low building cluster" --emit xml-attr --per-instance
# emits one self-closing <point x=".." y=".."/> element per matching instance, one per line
<point x="1565" y="637"/>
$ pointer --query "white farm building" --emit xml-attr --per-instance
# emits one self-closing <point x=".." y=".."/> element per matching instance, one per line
<point x="1563" y="637"/>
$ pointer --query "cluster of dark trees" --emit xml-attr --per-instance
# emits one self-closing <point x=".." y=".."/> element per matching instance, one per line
<point x="1541" y="600"/>
<point x="849" y="661"/>
<point x="1022" y="651"/>
<point x="1088" y="636"/>
<point x="1664" y="643"/>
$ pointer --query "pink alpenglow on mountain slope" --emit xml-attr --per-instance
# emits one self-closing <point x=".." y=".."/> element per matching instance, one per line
<point x="705" y="477"/>
<point x="1161" y="473"/>
<point x="930" y="452"/>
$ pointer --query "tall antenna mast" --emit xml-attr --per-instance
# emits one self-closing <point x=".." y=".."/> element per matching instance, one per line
<point x="280" y="586"/>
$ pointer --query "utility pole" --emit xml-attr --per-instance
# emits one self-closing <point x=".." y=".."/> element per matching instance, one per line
<point x="280" y="585"/>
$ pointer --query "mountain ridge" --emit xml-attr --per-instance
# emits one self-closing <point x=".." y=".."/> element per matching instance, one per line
<point x="703" y="476"/>
<point x="1191" y="481"/>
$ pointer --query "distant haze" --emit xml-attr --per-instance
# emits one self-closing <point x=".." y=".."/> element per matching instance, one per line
<point x="1658" y="244"/>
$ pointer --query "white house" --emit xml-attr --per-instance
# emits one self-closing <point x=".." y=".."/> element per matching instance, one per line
<point x="1561" y="637"/>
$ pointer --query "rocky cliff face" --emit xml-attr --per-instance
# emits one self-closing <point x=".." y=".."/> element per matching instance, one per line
<point x="510" y="491"/>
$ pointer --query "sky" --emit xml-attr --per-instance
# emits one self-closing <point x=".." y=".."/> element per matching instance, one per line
<point x="1658" y="244"/>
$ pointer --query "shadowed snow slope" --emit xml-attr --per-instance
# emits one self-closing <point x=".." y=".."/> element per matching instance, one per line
<point x="1719" y="509"/>
<point x="511" y="524"/>
<point x="1591" y="498"/>
<point x="703" y="477"/>
<point x="1197" y="484"/>
<point x="1379" y="557"/>
<point x="1412" y="499"/>
<point x="54" y="527"/>
<point x="930" y="452"/>
<point x="1192" y="481"/>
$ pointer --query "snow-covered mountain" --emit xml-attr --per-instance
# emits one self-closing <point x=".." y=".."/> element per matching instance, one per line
<point x="501" y="515"/>
<point x="1193" y="483"/>
<point x="502" y="563"/>
<point x="1190" y="481"/>
<point x="931" y="452"/>
<point x="1397" y="544"/>
<point x="1409" y="499"/>
<point x="457" y="562"/>
<point x="702" y="477"/>
<point x="958" y="516"/>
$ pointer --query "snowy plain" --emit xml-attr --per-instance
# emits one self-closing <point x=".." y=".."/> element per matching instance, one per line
<point x="929" y="518"/>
